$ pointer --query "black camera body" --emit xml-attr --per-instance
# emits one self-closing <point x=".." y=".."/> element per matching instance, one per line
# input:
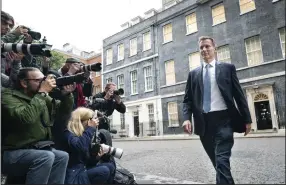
<point x="119" y="92"/>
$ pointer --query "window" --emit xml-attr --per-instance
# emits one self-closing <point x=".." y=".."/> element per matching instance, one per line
<point x="120" y="52"/>
<point x="108" y="80"/>
<point x="191" y="23"/>
<point x="170" y="72"/>
<point x="148" y="78"/>
<point x="133" y="82"/>
<point x="133" y="46"/>
<point x="97" y="89"/>
<point x="151" y="116"/>
<point x="223" y="54"/>
<point x="282" y="40"/>
<point x="120" y="82"/>
<point x="167" y="33"/>
<point x="253" y="50"/>
<point x="246" y="6"/>
<point x="218" y="14"/>
<point x="173" y="114"/>
<point x="194" y="60"/>
<point x="122" y="121"/>
<point x="109" y="56"/>
<point x="146" y="41"/>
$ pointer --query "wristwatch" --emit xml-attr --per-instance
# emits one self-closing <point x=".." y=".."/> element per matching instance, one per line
<point x="43" y="94"/>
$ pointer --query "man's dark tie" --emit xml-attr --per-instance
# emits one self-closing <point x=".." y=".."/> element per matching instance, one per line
<point x="207" y="90"/>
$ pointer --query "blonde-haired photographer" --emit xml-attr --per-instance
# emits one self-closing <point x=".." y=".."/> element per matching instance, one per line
<point x="78" y="137"/>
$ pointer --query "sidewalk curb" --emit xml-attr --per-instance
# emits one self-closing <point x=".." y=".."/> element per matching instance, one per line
<point x="173" y="138"/>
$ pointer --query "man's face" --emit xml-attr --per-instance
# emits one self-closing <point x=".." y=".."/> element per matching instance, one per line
<point x="207" y="50"/>
<point x="32" y="82"/>
<point x="6" y="26"/>
<point x="111" y="90"/>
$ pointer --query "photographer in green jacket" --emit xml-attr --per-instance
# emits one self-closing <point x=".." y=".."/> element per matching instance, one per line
<point x="28" y="113"/>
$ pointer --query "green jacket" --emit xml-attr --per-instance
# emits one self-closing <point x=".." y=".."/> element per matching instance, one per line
<point x="27" y="120"/>
<point x="10" y="37"/>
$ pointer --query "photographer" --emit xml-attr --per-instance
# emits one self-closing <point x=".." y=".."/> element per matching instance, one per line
<point x="112" y="101"/>
<point x="26" y="128"/>
<point x="79" y="134"/>
<point x="71" y="67"/>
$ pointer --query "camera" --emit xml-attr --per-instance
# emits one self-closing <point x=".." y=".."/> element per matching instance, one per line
<point x="115" y="152"/>
<point x="91" y="67"/>
<point x="35" y="35"/>
<point x="27" y="49"/>
<point x="119" y="92"/>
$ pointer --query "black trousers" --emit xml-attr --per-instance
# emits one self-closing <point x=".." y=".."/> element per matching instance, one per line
<point x="218" y="142"/>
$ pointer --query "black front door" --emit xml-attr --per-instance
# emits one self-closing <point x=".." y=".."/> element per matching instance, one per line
<point x="263" y="115"/>
<point x="136" y="126"/>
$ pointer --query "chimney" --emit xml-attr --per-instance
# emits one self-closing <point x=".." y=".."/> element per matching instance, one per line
<point x="150" y="13"/>
<point x="125" y="25"/>
<point x="136" y="20"/>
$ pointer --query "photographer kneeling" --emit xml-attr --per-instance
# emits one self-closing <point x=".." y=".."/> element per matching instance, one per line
<point x="79" y="134"/>
<point x="26" y="129"/>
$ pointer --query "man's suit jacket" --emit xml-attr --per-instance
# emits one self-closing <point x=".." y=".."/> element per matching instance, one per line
<point x="230" y="89"/>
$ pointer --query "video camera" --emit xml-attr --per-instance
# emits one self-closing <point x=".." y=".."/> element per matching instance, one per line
<point x="27" y="49"/>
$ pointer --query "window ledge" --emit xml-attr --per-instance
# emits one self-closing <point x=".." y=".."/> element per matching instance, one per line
<point x="274" y="1"/>
<point x="167" y="42"/>
<point x="146" y="50"/>
<point x="149" y="91"/>
<point x="108" y="64"/>
<point x="192" y="33"/>
<point x="120" y="60"/>
<point x="218" y="23"/>
<point x="247" y="12"/>
<point x="132" y="55"/>
<point x="134" y="94"/>
<point x="174" y="126"/>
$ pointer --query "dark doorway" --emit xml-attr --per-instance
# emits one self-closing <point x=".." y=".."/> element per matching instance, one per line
<point x="263" y="115"/>
<point x="136" y="124"/>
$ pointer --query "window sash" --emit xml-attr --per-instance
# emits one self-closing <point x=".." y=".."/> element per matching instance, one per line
<point x="167" y="33"/>
<point x="194" y="60"/>
<point x="246" y="6"/>
<point x="133" y="46"/>
<point x="133" y="82"/>
<point x="170" y="72"/>
<point x="146" y="41"/>
<point x="108" y="56"/>
<point x="282" y="40"/>
<point x="148" y="78"/>
<point x="173" y="114"/>
<point x="108" y="80"/>
<point x="120" y="81"/>
<point x="218" y="14"/>
<point x="253" y="50"/>
<point x="122" y="121"/>
<point x="223" y="54"/>
<point x="120" y="52"/>
<point x="191" y="23"/>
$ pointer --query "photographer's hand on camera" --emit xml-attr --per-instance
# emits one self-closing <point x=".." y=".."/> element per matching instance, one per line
<point x="117" y="98"/>
<point x="68" y="89"/>
<point x="20" y="30"/>
<point x="48" y="84"/>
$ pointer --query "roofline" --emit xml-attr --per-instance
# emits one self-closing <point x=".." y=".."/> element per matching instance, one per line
<point x="79" y="57"/>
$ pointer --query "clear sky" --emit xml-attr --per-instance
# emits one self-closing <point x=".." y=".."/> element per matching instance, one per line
<point x="83" y="23"/>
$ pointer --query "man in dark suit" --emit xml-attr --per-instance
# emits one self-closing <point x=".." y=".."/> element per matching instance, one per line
<point x="210" y="93"/>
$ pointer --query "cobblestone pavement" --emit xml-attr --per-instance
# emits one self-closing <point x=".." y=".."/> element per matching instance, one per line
<point x="254" y="160"/>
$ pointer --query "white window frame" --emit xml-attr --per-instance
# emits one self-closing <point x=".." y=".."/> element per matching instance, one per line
<point x="257" y="50"/>
<point x="171" y="113"/>
<point x="164" y="33"/>
<point x="108" y="80"/>
<point x="133" y="47"/>
<point x="191" y="56"/>
<point x="281" y="43"/>
<point x="134" y="84"/>
<point x="120" y="84"/>
<point x="109" y="56"/>
<point x="151" y="113"/>
<point x="168" y="73"/>
<point x="146" y="42"/>
<point x="119" y="57"/>
<point x="214" y="16"/>
<point x="148" y="77"/>
<point x="122" y="121"/>
<point x="192" y="26"/>
<point x="223" y="57"/>
<point x="250" y="10"/>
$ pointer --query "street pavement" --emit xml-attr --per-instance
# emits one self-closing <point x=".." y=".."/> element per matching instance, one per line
<point x="253" y="161"/>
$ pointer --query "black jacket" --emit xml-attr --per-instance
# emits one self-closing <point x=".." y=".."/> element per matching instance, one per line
<point x="230" y="89"/>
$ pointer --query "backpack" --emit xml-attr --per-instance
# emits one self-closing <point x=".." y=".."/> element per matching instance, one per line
<point x="123" y="176"/>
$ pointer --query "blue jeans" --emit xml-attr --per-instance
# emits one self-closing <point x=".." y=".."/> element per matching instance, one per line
<point x="102" y="173"/>
<point x="39" y="166"/>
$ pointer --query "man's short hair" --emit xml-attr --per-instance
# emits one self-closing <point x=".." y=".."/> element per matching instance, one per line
<point x="202" y="38"/>
<point x="73" y="60"/>
<point x="23" y="73"/>
<point x="107" y="86"/>
<point x="7" y="17"/>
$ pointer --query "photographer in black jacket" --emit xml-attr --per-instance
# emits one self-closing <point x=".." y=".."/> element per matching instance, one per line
<point x="110" y="102"/>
